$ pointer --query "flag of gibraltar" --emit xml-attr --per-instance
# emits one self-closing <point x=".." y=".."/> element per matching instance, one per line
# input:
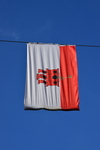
<point x="52" y="77"/>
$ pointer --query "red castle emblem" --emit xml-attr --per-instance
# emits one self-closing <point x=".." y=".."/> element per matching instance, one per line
<point x="48" y="77"/>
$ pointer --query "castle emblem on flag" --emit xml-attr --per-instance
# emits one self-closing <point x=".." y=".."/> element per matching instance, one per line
<point x="48" y="77"/>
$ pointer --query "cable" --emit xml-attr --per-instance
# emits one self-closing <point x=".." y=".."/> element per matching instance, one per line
<point x="45" y="43"/>
<point x="89" y="45"/>
<point x="13" y="41"/>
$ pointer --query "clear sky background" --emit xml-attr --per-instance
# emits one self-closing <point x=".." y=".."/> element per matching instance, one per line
<point x="49" y="21"/>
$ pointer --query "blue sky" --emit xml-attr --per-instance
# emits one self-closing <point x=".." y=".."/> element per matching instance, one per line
<point x="54" y="21"/>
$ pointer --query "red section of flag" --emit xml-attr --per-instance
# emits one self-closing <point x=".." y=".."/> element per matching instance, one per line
<point x="68" y="86"/>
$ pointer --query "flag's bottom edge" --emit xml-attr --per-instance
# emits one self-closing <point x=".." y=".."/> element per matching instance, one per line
<point x="56" y="109"/>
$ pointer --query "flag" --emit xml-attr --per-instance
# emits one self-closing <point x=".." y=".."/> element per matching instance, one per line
<point x="51" y="77"/>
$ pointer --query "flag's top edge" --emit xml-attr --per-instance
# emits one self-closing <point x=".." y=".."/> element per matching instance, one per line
<point x="36" y="43"/>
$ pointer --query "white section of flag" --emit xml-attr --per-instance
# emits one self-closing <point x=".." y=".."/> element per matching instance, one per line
<point x="38" y="95"/>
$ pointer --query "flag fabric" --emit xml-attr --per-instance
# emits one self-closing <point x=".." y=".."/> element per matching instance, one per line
<point x="51" y="77"/>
